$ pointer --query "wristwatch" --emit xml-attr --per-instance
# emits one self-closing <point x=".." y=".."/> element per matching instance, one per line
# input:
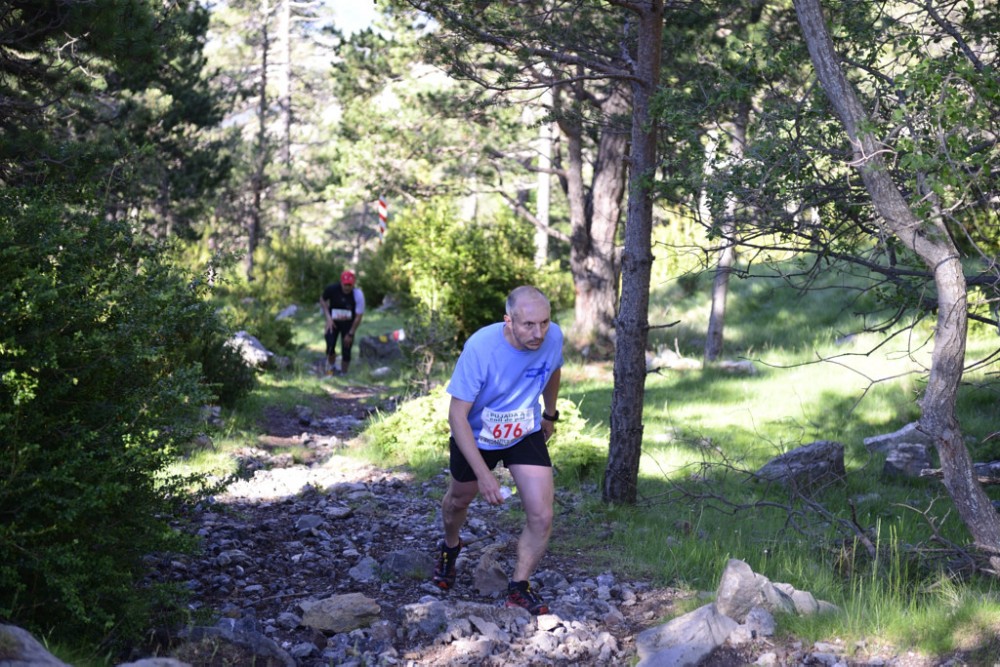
<point x="551" y="418"/>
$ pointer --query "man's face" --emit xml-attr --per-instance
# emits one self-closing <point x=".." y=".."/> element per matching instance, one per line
<point x="529" y="323"/>
<point x="347" y="287"/>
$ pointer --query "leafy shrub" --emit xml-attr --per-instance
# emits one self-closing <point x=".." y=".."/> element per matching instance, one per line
<point x="578" y="454"/>
<point x="225" y="372"/>
<point x="556" y="282"/>
<point x="97" y="385"/>
<point x="296" y="271"/>
<point x="258" y="318"/>
<point x="415" y="435"/>
<point x="434" y="262"/>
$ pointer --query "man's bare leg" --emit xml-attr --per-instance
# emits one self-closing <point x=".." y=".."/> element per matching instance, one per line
<point x="537" y="491"/>
<point x="455" y="508"/>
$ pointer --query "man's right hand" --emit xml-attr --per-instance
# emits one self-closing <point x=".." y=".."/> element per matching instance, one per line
<point x="489" y="489"/>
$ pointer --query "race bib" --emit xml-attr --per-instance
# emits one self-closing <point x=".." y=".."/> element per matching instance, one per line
<point x="340" y="314"/>
<point x="502" y="429"/>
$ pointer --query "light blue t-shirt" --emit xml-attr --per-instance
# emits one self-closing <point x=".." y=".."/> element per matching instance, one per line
<point x="504" y="384"/>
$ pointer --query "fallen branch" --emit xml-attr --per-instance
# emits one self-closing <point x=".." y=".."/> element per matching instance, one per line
<point x="986" y="473"/>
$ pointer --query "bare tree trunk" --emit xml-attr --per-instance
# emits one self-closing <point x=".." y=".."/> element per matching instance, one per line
<point x="727" y="252"/>
<point x="931" y="242"/>
<point x="622" y="473"/>
<point x="720" y="292"/>
<point x="601" y="265"/>
<point x="593" y="260"/>
<point x="543" y="197"/>
<point x="285" y="109"/>
<point x="255" y="216"/>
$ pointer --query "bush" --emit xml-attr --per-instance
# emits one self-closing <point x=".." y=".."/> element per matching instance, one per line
<point x="226" y="374"/>
<point x="97" y="387"/>
<point x="296" y="271"/>
<point x="416" y="435"/>
<point x="465" y="274"/>
<point x="259" y="320"/>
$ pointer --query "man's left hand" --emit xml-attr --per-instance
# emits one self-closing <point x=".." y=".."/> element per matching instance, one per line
<point x="548" y="428"/>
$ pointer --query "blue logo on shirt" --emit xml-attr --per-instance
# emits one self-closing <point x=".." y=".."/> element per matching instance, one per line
<point x="540" y="372"/>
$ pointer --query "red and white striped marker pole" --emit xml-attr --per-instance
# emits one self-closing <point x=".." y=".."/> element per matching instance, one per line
<point x="383" y="214"/>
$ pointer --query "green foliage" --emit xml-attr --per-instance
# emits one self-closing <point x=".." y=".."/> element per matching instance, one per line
<point x="258" y="319"/>
<point x="415" y="435"/>
<point x="225" y="372"/>
<point x="129" y="99"/>
<point x="578" y="451"/>
<point x="556" y="282"/>
<point x="434" y="262"/>
<point x="99" y="382"/>
<point x="296" y="271"/>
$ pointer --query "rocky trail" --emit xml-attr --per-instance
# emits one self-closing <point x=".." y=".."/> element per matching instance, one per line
<point x="325" y="561"/>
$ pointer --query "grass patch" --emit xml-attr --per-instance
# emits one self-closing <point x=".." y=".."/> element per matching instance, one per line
<point x="818" y="379"/>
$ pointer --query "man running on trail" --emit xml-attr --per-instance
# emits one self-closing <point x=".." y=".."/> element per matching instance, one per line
<point x="343" y="307"/>
<point x="495" y="416"/>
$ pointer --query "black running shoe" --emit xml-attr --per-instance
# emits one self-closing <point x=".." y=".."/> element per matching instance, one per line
<point x="444" y="573"/>
<point x="519" y="594"/>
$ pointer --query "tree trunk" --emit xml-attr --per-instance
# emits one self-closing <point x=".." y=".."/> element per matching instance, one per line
<point x="720" y="292"/>
<point x="543" y="197"/>
<point x="256" y="214"/>
<point x="622" y="473"/>
<point x="594" y="224"/>
<point x="931" y="242"/>
<point x="285" y="109"/>
<point x="727" y="252"/>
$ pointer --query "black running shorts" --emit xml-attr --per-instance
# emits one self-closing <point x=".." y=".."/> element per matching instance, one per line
<point x="530" y="450"/>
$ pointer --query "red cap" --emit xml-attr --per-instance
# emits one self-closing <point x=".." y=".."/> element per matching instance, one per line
<point x="347" y="277"/>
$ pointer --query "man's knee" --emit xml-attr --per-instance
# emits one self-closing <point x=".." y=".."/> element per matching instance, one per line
<point x="460" y="495"/>
<point x="539" y="519"/>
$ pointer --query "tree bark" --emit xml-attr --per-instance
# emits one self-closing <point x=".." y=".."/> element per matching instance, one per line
<point x="727" y="252"/>
<point x="257" y="179"/>
<point x="593" y="261"/>
<point x="622" y="472"/>
<point x="543" y="179"/>
<point x="285" y="76"/>
<point x="931" y="242"/>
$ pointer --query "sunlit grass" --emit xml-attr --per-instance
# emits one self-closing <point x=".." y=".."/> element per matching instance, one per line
<point x="706" y="431"/>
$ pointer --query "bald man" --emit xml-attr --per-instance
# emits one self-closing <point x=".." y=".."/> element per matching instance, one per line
<point x="503" y="409"/>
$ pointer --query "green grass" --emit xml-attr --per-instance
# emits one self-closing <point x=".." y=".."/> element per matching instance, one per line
<point x="704" y="430"/>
